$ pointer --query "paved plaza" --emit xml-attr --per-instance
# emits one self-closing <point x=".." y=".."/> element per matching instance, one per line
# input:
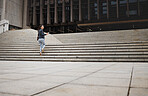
<point x="73" y="79"/>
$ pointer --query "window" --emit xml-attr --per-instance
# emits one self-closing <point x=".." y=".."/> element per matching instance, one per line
<point x="105" y="12"/>
<point x="67" y="10"/>
<point x="123" y="1"/>
<point x="76" y="10"/>
<point x="93" y="9"/>
<point x="123" y="9"/>
<point x="142" y="0"/>
<point x="133" y="12"/>
<point x="51" y="1"/>
<point x="104" y="4"/>
<point x="143" y="8"/>
<point x="132" y="1"/>
<point x="59" y="9"/>
<point x="59" y="1"/>
<point x="113" y="9"/>
<point x="113" y="2"/>
<point x="84" y="9"/>
<point x="95" y="4"/>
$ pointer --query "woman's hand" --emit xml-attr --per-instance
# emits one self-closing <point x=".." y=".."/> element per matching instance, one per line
<point x="46" y="33"/>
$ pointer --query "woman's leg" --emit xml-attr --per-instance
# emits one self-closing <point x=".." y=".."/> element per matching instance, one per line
<point x="43" y="43"/>
<point x="40" y="42"/>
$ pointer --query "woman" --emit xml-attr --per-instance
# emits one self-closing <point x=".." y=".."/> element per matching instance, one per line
<point x="41" y="40"/>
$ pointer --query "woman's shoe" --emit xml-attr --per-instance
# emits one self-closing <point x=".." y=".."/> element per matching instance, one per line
<point x="40" y="54"/>
<point x="42" y="50"/>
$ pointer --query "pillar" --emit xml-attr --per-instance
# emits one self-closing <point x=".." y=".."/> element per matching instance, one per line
<point x="34" y="13"/>
<point x="41" y="11"/>
<point x="98" y="10"/>
<point x="107" y="9"/>
<point x="63" y="11"/>
<point x="55" y="13"/>
<point x="80" y="11"/>
<point x="25" y="14"/>
<point x="88" y="9"/>
<point x="117" y="8"/>
<point x="3" y="10"/>
<point x="28" y="13"/>
<point x="71" y="10"/>
<point x="48" y="12"/>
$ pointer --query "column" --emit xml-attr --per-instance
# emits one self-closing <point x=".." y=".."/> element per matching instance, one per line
<point x="34" y="12"/>
<point x="63" y="11"/>
<point x="107" y="9"/>
<point x="41" y="11"/>
<point x="98" y="10"/>
<point x="28" y="13"/>
<point x="55" y="13"/>
<point x="71" y="10"/>
<point x="29" y="16"/>
<point x="80" y="11"/>
<point x="117" y="8"/>
<point x="25" y="14"/>
<point x="3" y="10"/>
<point x="88" y="9"/>
<point x="48" y="12"/>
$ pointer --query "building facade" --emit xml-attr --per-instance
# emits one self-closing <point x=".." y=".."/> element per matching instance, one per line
<point x="15" y="11"/>
<point x="60" y="16"/>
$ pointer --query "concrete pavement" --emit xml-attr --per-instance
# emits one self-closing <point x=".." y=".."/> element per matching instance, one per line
<point x="73" y="78"/>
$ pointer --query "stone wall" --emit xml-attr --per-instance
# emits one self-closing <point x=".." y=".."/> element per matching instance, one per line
<point x="14" y="12"/>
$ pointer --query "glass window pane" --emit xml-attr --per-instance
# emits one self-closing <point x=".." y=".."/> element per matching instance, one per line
<point x="133" y="12"/>
<point x="132" y="1"/>
<point x="123" y="2"/>
<point x="113" y="2"/>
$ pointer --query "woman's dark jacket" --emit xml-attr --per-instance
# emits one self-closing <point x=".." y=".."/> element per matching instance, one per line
<point x="41" y="34"/>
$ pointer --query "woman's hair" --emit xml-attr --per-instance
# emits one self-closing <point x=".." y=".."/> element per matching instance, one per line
<point x="40" y="27"/>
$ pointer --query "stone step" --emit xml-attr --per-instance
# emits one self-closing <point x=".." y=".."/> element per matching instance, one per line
<point x="75" y="54"/>
<point x="49" y="47"/>
<point x="84" y="57"/>
<point x="103" y="44"/>
<point x="66" y="47"/>
<point x="77" y="60"/>
<point x="72" y="48"/>
<point x="96" y="44"/>
<point x="74" y="51"/>
<point x="19" y="43"/>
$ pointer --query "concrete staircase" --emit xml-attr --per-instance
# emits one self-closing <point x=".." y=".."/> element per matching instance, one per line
<point x="19" y="49"/>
